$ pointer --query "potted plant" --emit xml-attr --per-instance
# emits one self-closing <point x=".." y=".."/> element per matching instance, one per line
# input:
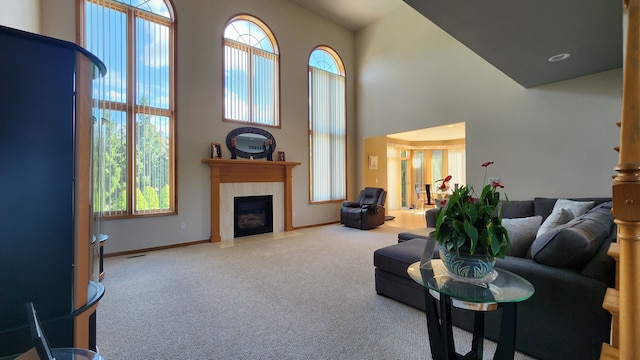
<point x="443" y="189"/>
<point x="469" y="231"/>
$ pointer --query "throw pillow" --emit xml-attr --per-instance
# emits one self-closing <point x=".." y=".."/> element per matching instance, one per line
<point x="573" y="244"/>
<point x="522" y="232"/>
<point x="576" y="208"/>
<point x="557" y="218"/>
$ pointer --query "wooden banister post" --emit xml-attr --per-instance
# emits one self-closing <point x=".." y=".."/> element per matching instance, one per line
<point x="626" y="193"/>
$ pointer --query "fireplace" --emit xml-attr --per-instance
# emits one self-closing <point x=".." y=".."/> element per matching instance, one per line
<point x="252" y="215"/>
<point x="230" y="178"/>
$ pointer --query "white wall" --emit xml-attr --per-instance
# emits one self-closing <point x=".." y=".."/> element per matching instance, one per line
<point x="56" y="20"/>
<point x="553" y="140"/>
<point x="20" y="14"/>
<point x="200" y="71"/>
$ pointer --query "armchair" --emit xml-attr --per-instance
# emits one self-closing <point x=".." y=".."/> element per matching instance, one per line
<point x="365" y="213"/>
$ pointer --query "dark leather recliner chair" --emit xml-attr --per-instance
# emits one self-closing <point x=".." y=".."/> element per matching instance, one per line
<point x="366" y="213"/>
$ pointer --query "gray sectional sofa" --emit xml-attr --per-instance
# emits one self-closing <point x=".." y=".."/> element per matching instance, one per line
<point x="567" y="264"/>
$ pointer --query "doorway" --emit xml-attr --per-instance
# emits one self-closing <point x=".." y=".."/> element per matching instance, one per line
<point x="414" y="159"/>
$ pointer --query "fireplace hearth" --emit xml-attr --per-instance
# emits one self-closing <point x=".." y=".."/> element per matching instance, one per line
<point x="252" y="215"/>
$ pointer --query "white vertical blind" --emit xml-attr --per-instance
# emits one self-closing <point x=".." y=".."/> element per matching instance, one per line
<point x="418" y="171"/>
<point x="251" y="80"/>
<point x="436" y="167"/>
<point x="265" y="91"/>
<point x="457" y="166"/>
<point x="327" y="135"/>
<point x="105" y="36"/>
<point x="135" y="43"/>
<point x="152" y="166"/>
<point x="237" y="87"/>
<point x="394" y="179"/>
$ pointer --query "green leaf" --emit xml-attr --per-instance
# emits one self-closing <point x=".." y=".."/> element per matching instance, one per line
<point x="472" y="233"/>
<point x="458" y="227"/>
<point x="495" y="240"/>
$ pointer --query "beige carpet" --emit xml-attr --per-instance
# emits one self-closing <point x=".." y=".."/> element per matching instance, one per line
<point x="307" y="294"/>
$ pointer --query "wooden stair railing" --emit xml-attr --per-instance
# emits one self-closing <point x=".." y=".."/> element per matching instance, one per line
<point x="623" y="302"/>
<point x="611" y="304"/>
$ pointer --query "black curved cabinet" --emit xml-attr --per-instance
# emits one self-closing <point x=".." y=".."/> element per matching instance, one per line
<point x="48" y="179"/>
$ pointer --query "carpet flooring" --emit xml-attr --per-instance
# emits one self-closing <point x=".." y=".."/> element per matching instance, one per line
<point x="307" y="294"/>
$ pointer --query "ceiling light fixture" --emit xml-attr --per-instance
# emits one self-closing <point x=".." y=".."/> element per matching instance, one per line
<point x="559" y="57"/>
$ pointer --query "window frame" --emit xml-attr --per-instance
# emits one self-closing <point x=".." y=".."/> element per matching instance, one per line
<point x="131" y="107"/>
<point x="341" y="69"/>
<point x="274" y="43"/>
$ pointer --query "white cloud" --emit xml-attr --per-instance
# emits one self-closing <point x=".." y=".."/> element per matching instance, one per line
<point x="155" y="52"/>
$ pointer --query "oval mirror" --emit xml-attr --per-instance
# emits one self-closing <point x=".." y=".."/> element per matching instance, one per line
<point x="247" y="142"/>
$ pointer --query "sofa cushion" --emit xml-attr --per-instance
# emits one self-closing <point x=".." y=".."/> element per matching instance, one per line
<point x="517" y="209"/>
<point x="543" y="206"/>
<point x="559" y="213"/>
<point x="522" y="232"/>
<point x="414" y="234"/>
<point x="396" y="258"/>
<point x="577" y="207"/>
<point x="572" y="245"/>
<point x="554" y="220"/>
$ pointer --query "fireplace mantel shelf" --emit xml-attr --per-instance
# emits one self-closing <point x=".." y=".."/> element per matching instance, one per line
<point x="239" y="171"/>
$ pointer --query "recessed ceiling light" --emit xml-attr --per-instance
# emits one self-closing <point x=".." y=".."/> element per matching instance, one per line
<point x="559" y="57"/>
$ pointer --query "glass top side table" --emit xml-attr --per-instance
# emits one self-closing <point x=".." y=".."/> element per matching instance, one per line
<point x="503" y="293"/>
<point x="507" y="287"/>
<point x="75" y="354"/>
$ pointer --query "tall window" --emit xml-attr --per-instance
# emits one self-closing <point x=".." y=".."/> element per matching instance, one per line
<point x="327" y="126"/>
<point x="457" y="166"/>
<point x="135" y="40"/>
<point x="251" y="78"/>
<point x="437" y="166"/>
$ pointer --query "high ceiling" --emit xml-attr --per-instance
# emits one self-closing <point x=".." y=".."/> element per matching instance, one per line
<point x="520" y="36"/>
<point x="516" y="36"/>
<point x="352" y="14"/>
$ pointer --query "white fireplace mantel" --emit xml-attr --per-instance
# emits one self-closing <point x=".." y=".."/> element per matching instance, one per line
<point x="249" y="171"/>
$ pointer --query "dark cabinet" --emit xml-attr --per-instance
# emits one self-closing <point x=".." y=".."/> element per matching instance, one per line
<point x="49" y="177"/>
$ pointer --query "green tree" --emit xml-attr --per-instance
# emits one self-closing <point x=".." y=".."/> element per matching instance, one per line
<point x="151" y="195"/>
<point x="165" y="194"/>
<point x="152" y="153"/>
<point x="151" y="161"/>
<point x="141" y="202"/>
<point x="110" y="144"/>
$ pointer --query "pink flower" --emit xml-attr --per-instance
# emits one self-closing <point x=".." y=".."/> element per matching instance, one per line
<point x="448" y="178"/>
<point x="472" y="199"/>
<point x="487" y="163"/>
<point x="443" y="202"/>
<point x="495" y="184"/>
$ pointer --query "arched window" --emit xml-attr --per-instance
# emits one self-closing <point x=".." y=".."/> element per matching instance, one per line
<point x="251" y="76"/>
<point x="136" y="41"/>
<point x="327" y="126"/>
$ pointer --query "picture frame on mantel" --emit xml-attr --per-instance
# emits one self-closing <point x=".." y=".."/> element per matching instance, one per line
<point x="281" y="156"/>
<point x="216" y="151"/>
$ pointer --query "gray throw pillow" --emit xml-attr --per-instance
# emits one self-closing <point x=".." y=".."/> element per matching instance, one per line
<point x="557" y="218"/>
<point x="577" y="207"/>
<point x="572" y="245"/>
<point x="559" y="214"/>
<point x="522" y="232"/>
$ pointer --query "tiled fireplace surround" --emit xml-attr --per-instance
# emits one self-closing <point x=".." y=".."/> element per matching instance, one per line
<point x="231" y="190"/>
<point x="231" y="178"/>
